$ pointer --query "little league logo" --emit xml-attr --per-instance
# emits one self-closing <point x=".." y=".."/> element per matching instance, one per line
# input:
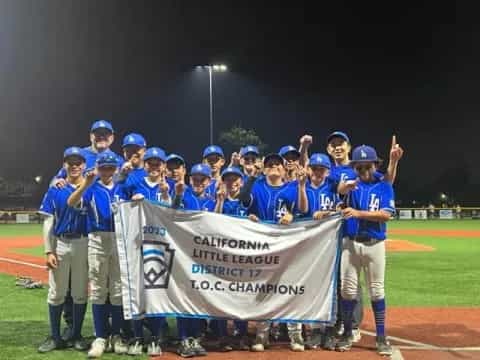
<point x="157" y="264"/>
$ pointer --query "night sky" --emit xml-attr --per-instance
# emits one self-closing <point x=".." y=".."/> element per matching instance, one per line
<point x="369" y="71"/>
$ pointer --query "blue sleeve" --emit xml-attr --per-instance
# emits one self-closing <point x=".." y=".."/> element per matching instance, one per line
<point x="61" y="174"/>
<point x="47" y="206"/>
<point x="387" y="202"/>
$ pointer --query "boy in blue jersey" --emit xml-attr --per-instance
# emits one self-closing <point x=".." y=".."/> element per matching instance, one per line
<point x="101" y="138"/>
<point x="154" y="186"/>
<point x="249" y="156"/>
<point x="228" y="203"/>
<point x="272" y="199"/>
<point x="132" y="171"/>
<point x="193" y="198"/>
<point x="370" y="206"/>
<point x="176" y="171"/>
<point x="65" y="238"/>
<point x="292" y="162"/>
<point x="213" y="156"/>
<point x="98" y="191"/>
<point x="321" y="189"/>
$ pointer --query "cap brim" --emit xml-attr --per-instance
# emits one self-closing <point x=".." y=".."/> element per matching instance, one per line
<point x="378" y="161"/>
<point x="109" y="165"/>
<point x="338" y="136"/>
<point x="75" y="155"/>
<point x="272" y="156"/>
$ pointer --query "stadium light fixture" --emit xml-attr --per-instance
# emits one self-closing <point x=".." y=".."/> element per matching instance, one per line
<point x="212" y="68"/>
<point x="37" y="179"/>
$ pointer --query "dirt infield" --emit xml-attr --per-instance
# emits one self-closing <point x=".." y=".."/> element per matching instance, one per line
<point x="395" y="245"/>
<point x="436" y="233"/>
<point x="22" y="264"/>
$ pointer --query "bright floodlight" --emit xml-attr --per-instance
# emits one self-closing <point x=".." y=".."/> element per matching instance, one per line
<point x="216" y="67"/>
<point x="443" y="196"/>
<point x="223" y="67"/>
<point x="38" y="179"/>
<point x="199" y="67"/>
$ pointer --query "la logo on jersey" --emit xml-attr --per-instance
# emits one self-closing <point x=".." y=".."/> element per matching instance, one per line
<point x="325" y="202"/>
<point x="281" y="209"/>
<point x="374" y="203"/>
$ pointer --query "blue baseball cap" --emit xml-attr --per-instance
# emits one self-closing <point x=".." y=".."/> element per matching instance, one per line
<point x="107" y="158"/>
<point x="288" y="148"/>
<point x="364" y="153"/>
<point x="201" y="169"/>
<point x="101" y="124"/>
<point x="272" y="156"/>
<point x="134" y="139"/>
<point x="74" y="151"/>
<point x="339" y="134"/>
<point x="232" y="170"/>
<point x="154" y="153"/>
<point x="175" y="157"/>
<point x="320" y="160"/>
<point x="213" y="149"/>
<point x="249" y="149"/>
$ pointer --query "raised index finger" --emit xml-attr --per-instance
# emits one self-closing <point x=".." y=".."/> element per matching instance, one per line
<point x="394" y="140"/>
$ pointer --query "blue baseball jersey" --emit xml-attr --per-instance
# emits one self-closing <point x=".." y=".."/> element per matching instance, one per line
<point x="90" y="159"/>
<point x="322" y="198"/>
<point x="171" y="187"/>
<point x="234" y="207"/>
<point x="342" y="173"/>
<point x="190" y="201"/>
<point x="346" y="172"/>
<point x="270" y="203"/>
<point x="148" y="189"/>
<point x="132" y="181"/>
<point x="68" y="220"/>
<point x="210" y="191"/>
<point x="98" y="199"/>
<point x="374" y="196"/>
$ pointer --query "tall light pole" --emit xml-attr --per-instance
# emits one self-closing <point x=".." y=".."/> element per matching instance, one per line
<point x="212" y="68"/>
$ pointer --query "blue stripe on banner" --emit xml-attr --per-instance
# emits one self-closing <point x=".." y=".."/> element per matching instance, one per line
<point x="209" y="317"/>
<point x="154" y="252"/>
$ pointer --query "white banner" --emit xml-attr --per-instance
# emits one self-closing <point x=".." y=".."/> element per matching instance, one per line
<point x="22" y="218"/>
<point x="445" y="214"/>
<point x="200" y="264"/>
<point x="420" y="214"/>
<point x="405" y="214"/>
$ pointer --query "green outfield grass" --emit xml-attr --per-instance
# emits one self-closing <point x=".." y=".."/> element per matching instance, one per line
<point x="23" y="328"/>
<point x="447" y="276"/>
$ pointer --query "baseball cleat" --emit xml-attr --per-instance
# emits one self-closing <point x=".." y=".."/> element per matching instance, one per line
<point x="135" y="347"/>
<point x="118" y="345"/>
<point x="296" y="343"/>
<point x="185" y="349"/>
<point x="153" y="348"/>
<point x="383" y="346"/>
<point x="51" y="344"/>
<point x="97" y="349"/>
<point x="356" y="335"/>
<point x="344" y="343"/>
<point x="315" y="340"/>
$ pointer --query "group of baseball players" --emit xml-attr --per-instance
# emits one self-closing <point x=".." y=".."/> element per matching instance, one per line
<point x="83" y="262"/>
